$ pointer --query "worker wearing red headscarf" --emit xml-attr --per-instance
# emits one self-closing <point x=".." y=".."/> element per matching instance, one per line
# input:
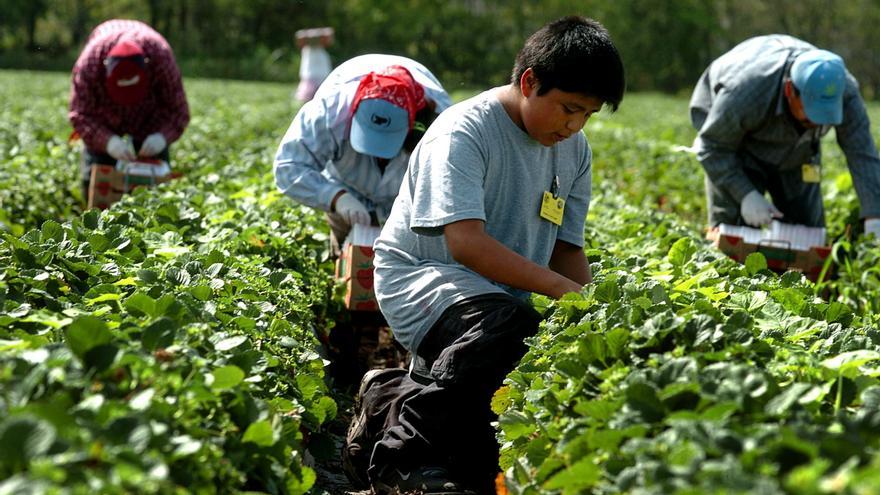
<point x="127" y="98"/>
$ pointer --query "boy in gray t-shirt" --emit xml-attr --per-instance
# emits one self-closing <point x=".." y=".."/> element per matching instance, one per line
<point x="491" y="209"/>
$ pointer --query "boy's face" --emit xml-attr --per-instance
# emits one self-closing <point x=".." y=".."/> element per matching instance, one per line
<point x="556" y="115"/>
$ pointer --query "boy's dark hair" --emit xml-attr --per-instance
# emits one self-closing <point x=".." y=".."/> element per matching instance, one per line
<point x="574" y="54"/>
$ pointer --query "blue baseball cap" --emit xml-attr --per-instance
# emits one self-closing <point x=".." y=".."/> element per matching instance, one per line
<point x="820" y="77"/>
<point x="379" y="128"/>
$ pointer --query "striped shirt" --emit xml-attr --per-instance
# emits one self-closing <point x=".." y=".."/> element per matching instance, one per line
<point x="96" y="117"/>
<point x="738" y="107"/>
<point x="315" y="159"/>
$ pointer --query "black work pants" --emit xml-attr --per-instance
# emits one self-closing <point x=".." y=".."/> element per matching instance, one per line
<point x="442" y="407"/>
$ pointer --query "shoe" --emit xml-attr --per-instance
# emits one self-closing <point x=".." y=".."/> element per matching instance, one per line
<point x="360" y="438"/>
<point x="423" y="481"/>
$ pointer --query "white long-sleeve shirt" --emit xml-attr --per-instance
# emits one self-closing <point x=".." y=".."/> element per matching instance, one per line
<point x="315" y="159"/>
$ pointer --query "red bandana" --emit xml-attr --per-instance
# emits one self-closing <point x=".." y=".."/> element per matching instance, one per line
<point x="394" y="84"/>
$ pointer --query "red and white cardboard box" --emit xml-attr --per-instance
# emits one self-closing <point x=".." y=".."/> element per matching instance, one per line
<point x="108" y="183"/>
<point x="355" y="268"/>
<point x="779" y="253"/>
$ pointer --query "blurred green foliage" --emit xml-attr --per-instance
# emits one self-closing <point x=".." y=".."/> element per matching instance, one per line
<point x="666" y="45"/>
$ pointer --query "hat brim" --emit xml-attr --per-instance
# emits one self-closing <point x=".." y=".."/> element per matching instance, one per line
<point x="824" y="112"/>
<point x="372" y="135"/>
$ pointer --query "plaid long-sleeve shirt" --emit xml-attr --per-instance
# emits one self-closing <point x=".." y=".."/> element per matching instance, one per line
<point x="742" y="119"/>
<point x="96" y="117"/>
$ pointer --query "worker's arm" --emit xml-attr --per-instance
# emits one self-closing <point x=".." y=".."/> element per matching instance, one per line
<point x="570" y="261"/>
<point x="471" y="246"/>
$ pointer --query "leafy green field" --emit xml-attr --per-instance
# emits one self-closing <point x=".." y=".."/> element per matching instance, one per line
<point x="168" y="345"/>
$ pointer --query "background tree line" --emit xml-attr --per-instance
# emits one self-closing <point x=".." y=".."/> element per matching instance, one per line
<point x="666" y="44"/>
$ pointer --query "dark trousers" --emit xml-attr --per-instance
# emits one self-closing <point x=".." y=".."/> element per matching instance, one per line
<point x="93" y="157"/>
<point x="439" y="414"/>
<point x="799" y="202"/>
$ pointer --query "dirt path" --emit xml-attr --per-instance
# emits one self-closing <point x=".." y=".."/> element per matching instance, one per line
<point x="374" y="348"/>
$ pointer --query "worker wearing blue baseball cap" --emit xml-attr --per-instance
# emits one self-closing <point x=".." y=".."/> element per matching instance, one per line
<point x="760" y="111"/>
<point x="347" y="149"/>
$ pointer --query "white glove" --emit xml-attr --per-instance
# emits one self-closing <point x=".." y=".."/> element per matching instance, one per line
<point x="757" y="211"/>
<point x="119" y="148"/>
<point x="352" y="210"/>
<point x="153" y="145"/>
<point x="872" y="226"/>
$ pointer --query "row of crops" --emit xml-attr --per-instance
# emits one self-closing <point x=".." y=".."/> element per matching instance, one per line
<point x="168" y="345"/>
<point x="680" y="371"/>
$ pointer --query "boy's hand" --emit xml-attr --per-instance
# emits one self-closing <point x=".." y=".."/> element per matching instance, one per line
<point x="566" y="287"/>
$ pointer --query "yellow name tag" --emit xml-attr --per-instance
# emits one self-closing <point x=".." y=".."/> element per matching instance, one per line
<point x="552" y="208"/>
<point x="811" y="173"/>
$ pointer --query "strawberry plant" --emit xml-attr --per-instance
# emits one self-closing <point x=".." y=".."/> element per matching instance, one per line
<point x="681" y="371"/>
<point x="168" y="344"/>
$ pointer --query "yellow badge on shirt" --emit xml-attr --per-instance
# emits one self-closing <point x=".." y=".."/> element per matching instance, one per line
<point x="552" y="208"/>
<point x="811" y="173"/>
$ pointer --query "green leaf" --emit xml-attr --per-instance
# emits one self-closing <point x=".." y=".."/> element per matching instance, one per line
<point x="308" y="385"/>
<point x="227" y="377"/>
<point x="617" y="340"/>
<point x="850" y="360"/>
<point x="600" y="410"/>
<point x="642" y="397"/>
<point x="159" y="334"/>
<point x="592" y="347"/>
<point x="51" y="230"/>
<point x="186" y="446"/>
<point x="24" y="438"/>
<point x="780" y="404"/>
<point x="755" y="262"/>
<point x="140" y="304"/>
<point x="681" y="251"/>
<point x="148" y="276"/>
<point x="90" y="219"/>
<point x="201" y="292"/>
<point x="141" y="401"/>
<point x="840" y="313"/>
<point x="583" y="474"/>
<point x="85" y="333"/>
<point x="230" y="343"/>
<point x="99" y="242"/>
<point x="515" y="424"/>
<point x="261" y="433"/>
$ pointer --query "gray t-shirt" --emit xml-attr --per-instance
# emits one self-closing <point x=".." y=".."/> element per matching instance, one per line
<point x="473" y="163"/>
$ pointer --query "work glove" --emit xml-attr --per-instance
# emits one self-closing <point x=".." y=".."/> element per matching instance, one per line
<point x="872" y="226"/>
<point x="153" y="145"/>
<point x="119" y="148"/>
<point x="352" y="210"/>
<point x="757" y="211"/>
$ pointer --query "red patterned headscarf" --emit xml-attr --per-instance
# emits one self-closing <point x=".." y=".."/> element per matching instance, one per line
<point x="394" y="84"/>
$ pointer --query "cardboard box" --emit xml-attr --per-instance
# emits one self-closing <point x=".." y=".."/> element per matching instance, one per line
<point x="780" y="257"/>
<point x="355" y="268"/>
<point x="108" y="184"/>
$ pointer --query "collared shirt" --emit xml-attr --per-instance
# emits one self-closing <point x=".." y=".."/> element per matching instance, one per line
<point x="96" y="117"/>
<point x="740" y="112"/>
<point x="315" y="159"/>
